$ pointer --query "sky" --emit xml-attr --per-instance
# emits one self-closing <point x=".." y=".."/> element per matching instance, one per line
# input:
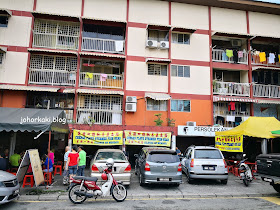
<point x="270" y="1"/>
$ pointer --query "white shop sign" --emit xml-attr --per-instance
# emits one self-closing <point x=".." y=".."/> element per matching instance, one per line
<point x="200" y="130"/>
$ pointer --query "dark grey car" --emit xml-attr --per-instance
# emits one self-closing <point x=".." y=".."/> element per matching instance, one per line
<point x="158" y="165"/>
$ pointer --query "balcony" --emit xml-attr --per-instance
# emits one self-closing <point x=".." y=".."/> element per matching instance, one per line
<point x="52" y="77"/>
<point x="220" y="56"/>
<point x="231" y="88"/>
<point x="256" y="61"/>
<point x="56" y="35"/>
<point x="266" y="91"/>
<point x="99" y="80"/>
<point x="103" y="45"/>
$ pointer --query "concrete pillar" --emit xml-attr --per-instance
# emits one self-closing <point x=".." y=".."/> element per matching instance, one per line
<point x="264" y="146"/>
<point x="173" y="142"/>
<point x="13" y="141"/>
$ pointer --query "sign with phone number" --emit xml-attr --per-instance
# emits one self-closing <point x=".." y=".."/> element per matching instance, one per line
<point x="229" y="143"/>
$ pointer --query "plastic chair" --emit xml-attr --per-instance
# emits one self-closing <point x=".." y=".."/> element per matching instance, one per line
<point x="28" y="181"/>
<point x="57" y="170"/>
<point x="48" y="177"/>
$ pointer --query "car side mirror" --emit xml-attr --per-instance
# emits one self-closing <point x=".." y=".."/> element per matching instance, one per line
<point x="136" y="155"/>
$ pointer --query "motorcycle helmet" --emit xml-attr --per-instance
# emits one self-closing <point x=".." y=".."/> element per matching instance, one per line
<point x="110" y="162"/>
<point x="104" y="176"/>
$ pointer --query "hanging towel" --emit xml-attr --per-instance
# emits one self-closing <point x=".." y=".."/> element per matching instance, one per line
<point x="231" y="106"/>
<point x="271" y="58"/>
<point x="262" y="57"/>
<point x="224" y="56"/>
<point x="240" y="54"/>
<point x="103" y="77"/>
<point x="89" y="75"/>
<point x="119" y="46"/>
<point x="230" y="119"/>
<point x="72" y="77"/>
<point x="229" y="53"/>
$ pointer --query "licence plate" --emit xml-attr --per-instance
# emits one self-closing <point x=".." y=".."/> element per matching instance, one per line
<point x="16" y="192"/>
<point x="209" y="168"/>
<point x="163" y="179"/>
<point x="267" y="179"/>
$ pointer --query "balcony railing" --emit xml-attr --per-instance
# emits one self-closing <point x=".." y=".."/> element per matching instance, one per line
<point x="102" y="45"/>
<point x="85" y="116"/>
<point x="69" y="115"/>
<point x="52" y="77"/>
<point x="231" y="88"/>
<point x="55" y="41"/>
<point x="101" y="80"/>
<point x="220" y="56"/>
<point x="266" y="91"/>
<point x="256" y="61"/>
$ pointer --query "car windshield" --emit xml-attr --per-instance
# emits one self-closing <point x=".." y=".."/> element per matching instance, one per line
<point x="163" y="158"/>
<point x="106" y="155"/>
<point x="207" y="154"/>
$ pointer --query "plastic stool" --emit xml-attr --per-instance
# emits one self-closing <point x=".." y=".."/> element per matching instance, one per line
<point x="57" y="170"/>
<point x="27" y="181"/>
<point x="48" y="177"/>
<point x="59" y="163"/>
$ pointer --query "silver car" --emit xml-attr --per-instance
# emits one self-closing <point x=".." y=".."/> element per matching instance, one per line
<point x="204" y="162"/>
<point x="158" y="165"/>
<point x="121" y="169"/>
<point x="9" y="187"/>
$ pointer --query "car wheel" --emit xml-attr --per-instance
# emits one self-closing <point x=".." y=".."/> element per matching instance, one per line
<point x="189" y="180"/>
<point x="276" y="187"/>
<point x="224" y="181"/>
<point x="141" y="180"/>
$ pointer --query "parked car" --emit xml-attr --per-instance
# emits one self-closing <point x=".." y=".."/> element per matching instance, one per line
<point x="158" y="165"/>
<point x="9" y="187"/>
<point x="121" y="170"/>
<point x="269" y="170"/>
<point x="204" y="162"/>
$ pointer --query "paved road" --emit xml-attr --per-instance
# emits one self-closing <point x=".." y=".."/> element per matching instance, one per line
<point x="253" y="203"/>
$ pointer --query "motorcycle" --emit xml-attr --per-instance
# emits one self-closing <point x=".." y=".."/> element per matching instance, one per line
<point x="245" y="172"/>
<point x="86" y="187"/>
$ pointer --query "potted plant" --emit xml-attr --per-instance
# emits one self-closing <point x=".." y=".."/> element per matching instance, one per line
<point x="158" y="121"/>
<point x="170" y="122"/>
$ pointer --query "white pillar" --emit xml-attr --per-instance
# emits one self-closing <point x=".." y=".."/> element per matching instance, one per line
<point x="173" y="142"/>
<point x="264" y="146"/>
<point x="13" y="141"/>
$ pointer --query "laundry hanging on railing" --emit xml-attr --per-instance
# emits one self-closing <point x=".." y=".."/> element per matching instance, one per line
<point x="229" y="53"/>
<point x="89" y="75"/>
<point x="103" y="77"/>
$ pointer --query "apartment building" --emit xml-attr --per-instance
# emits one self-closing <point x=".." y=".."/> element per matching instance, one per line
<point x="117" y="63"/>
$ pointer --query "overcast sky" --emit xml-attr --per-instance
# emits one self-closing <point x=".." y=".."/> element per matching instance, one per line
<point x="271" y="1"/>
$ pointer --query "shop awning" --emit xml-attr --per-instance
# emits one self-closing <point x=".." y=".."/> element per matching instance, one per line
<point x="229" y="98"/>
<point x="158" y="96"/>
<point x="259" y="127"/>
<point x="28" y="88"/>
<point x="3" y="49"/>
<point x="158" y="60"/>
<point x="5" y="12"/>
<point x="103" y="55"/>
<point x="52" y="51"/>
<point x="37" y="120"/>
<point x="95" y="91"/>
<point x="269" y="101"/>
<point x="231" y="34"/>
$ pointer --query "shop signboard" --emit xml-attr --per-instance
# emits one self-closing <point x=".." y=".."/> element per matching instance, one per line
<point x="148" y="138"/>
<point x="101" y="138"/>
<point x="229" y="143"/>
<point x="31" y="156"/>
<point x="206" y="131"/>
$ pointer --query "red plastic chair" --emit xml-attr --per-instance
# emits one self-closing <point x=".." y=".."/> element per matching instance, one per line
<point x="57" y="170"/>
<point x="28" y="181"/>
<point x="48" y="177"/>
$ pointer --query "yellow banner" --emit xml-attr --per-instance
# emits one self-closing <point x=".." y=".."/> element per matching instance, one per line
<point x="229" y="143"/>
<point x="101" y="138"/>
<point x="147" y="138"/>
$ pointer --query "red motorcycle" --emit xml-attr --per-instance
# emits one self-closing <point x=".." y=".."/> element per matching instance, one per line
<point x="85" y="187"/>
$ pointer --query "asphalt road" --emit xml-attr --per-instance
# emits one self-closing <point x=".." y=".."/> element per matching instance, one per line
<point x="253" y="203"/>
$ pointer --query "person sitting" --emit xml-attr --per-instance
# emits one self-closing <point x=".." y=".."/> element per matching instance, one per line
<point x="48" y="164"/>
<point x="3" y="163"/>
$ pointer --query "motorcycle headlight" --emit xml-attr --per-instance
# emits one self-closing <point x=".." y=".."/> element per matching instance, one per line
<point x="2" y="184"/>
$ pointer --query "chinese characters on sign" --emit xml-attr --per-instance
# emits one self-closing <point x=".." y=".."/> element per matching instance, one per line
<point x="102" y="138"/>
<point x="229" y="143"/>
<point x="148" y="138"/>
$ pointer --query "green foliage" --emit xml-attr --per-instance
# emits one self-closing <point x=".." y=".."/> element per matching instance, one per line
<point x="158" y="121"/>
<point x="170" y="122"/>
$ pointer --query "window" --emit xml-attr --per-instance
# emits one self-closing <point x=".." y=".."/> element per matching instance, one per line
<point x="157" y="35"/>
<point x="154" y="105"/>
<point x="4" y="21"/>
<point x="207" y="154"/>
<point x="180" y="105"/>
<point x="179" y="38"/>
<point x="103" y="32"/>
<point x="157" y="69"/>
<point x="180" y="71"/>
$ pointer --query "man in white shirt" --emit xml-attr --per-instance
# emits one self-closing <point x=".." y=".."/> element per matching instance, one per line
<point x="65" y="173"/>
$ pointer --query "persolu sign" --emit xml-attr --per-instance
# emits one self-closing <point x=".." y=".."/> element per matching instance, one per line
<point x="208" y="131"/>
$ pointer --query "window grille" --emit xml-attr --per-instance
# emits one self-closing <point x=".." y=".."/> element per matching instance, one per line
<point x="155" y="105"/>
<point x="179" y="38"/>
<point x="157" y="69"/>
<point x="180" y="71"/>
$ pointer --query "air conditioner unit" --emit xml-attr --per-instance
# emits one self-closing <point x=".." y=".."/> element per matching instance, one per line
<point x="130" y="107"/>
<point x="152" y="44"/>
<point x="131" y="99"/>
<point x="189" y="123"/>
<point x="164" y="45"/>
<point x="236" y="43"/>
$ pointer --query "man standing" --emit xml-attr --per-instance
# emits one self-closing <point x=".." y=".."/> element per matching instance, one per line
<point x="15" y="160"/>
<point x="82" y="161"/>
<point x="65" y="172"/>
